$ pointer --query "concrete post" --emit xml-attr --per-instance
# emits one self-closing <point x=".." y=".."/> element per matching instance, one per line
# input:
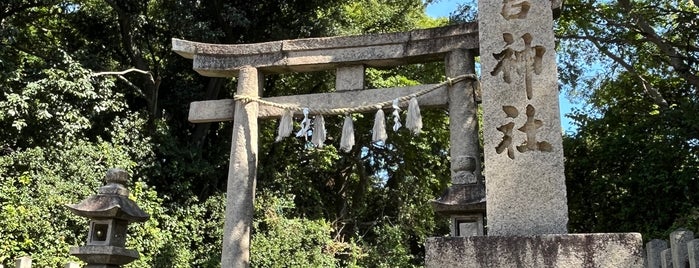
<point x="693" y="248"/>
<point x="653" y="250"/>
<point x="666" y="258"/>
<point x="24" y="262"/>
<point x="242" y="173"/>
<point x="678" y="245"/>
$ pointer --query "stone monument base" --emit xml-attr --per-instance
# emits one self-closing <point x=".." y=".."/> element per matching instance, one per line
<point x="561" y="250"/>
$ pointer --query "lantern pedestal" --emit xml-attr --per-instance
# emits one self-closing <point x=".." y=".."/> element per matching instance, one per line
<point x="109" y="255"/>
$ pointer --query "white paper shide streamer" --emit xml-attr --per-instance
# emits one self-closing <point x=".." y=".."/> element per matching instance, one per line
<point x="347" y="139"/>
<point x="396" y="116"/>
<point x="305" y="125"/>
<point x="414" y="120"/>
<point x="319" y="132"/>
<point x="285" y="125"/>
<point x="379" y="130"/>
<point x="316" y="127"/>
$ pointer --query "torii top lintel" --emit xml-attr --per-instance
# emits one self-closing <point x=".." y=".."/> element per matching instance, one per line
<point x="315" y="54"/>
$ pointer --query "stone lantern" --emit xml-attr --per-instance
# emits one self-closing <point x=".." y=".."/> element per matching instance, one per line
<point x="464" y="201"/>
<point x="465" y="206"/>
<point x="109" y="211"/>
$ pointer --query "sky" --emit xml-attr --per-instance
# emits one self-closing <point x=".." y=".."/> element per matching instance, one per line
<point x="442" y="8"/>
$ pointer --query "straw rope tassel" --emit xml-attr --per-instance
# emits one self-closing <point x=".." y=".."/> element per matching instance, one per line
<point x="319" y="131"/>
<point x="414" y="120"/>
<point x="347" y="139"/>
<point x="379" y="130"/>
<point x="285" y="125"/>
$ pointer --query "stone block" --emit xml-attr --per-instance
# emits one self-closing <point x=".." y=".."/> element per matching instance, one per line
<point x="211" y="111"/>
<point x="24" y="262"/>
<point x="345" y="54"/>
<point x="224" y="65"/>
<point x="678" y="245"/>
<point x="349" y="78"/>
<point x="70" y="265"/>
<point x="463" y="168"/>
<point x="461" y="198"/>
<point x="653" y="250"/>
<point x="666" y="258"/>
<point x="693" y="253"/>
<point x="187" y="49"/>
<point x="222" y="110"/>
<point x="425" y="48"/>
<point x="470" y="225"/>
<point x="567" y="250"/>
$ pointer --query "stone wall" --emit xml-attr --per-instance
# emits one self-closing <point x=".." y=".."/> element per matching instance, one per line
<point x="611" y="250"/>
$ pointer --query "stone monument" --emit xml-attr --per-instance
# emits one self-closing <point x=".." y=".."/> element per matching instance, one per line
<point x="526" y="207"/>
<point x="521" y="124"/>
<point x="110" y="211"/>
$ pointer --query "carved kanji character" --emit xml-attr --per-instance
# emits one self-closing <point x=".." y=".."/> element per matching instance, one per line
<point x="506" y="129"/>
<point x="531" y="128"/>
<point x="506" y="143"/>
<point x="527" y="60"/>
<point x="515" y="9"/>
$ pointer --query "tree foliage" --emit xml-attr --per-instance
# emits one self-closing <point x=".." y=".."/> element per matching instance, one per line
<point x="633" y="163"/>
<point x="649" y="40"/>
<point x="68" y="115"/>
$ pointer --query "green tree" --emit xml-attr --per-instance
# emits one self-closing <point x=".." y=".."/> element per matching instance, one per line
<point x="68" y="113"/>
<point x="632" y="165"/>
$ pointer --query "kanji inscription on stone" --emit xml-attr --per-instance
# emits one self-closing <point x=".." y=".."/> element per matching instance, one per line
<point x="515" y="9"/>
<point x="508" y="135"/>
<point x="521" y="122"/>
<point x="526" y="61"/>
<point x="529" y="128"/>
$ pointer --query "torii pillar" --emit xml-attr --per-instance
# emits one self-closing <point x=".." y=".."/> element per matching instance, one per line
<point x="242" y="173"/>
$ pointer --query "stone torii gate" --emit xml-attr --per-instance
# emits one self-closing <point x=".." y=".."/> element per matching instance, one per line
<point x="526" y="197"/>
<point x="456" y="45"/>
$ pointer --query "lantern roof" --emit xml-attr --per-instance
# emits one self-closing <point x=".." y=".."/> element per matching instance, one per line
<point x="461" y="198"/>
<point x="112" y="201"/>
